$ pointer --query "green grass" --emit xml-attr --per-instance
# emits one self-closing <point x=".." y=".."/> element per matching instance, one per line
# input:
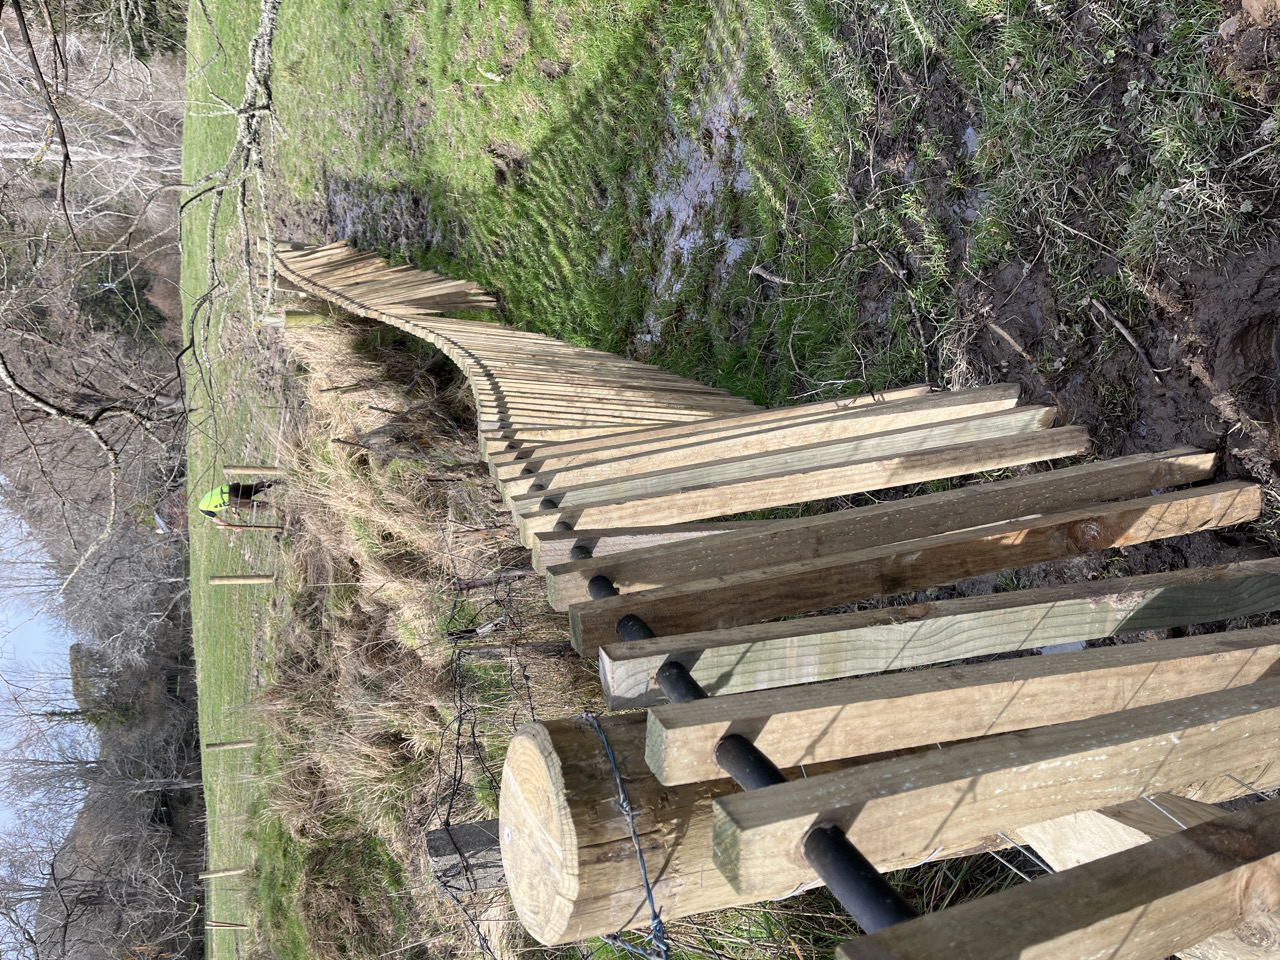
<point x="234" y="419"/>
<point x="280" y="866"/>
<point x="840" y="171"/>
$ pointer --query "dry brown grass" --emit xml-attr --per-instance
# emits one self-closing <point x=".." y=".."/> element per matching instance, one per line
<point x="397" y="688"/>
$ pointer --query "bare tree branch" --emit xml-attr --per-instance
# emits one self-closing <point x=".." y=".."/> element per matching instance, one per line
<point x="54" y="115"/>
<point x="113" y="464"/>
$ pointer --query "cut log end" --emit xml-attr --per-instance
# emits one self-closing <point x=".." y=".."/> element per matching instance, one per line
<point x="536" y="831"/>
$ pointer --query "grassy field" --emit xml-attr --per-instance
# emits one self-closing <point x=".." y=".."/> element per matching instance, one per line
<point x="793" y="200"/>
<point x="234" y="393"/>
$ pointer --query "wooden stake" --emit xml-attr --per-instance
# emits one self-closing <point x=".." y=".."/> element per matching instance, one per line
<point x="940" y="799"/>
<point x="226" y="745"/>
<point x="1142" y="904"/>
<point x="243" y="581"/>
<point x="851" y="718"/>
<point x="220" y="874"/>
<point x="766" y="655"/>
<point x="250" y="470"/>
<point x="770" y="592"/>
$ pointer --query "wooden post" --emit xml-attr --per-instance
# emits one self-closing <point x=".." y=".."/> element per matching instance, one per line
<point x="242" y="581"/>
<point x="227" y="745"/>
<point x="294" y="318"/>
<point x="251" y="526"/>
<point x="567" y="851"/>
<point x="250" y="470"/>
<point x="466" y="858"/>
<point x="219" y="874"/>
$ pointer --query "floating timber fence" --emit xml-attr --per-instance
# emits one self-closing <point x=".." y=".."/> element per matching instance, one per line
<point x="724" y="783"/>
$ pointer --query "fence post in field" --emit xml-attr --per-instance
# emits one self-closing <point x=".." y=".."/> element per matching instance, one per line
<point x="221" y="874"/>
<point x="227" y="745"/>
<point x="294" y="318"/>
<point x="466" y="857"/>
<point x="250" y="470"/>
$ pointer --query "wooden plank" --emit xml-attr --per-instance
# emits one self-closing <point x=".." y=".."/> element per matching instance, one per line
<point x="964" y="792"/>
<point x="751" y="434"/>
<point x="583" y="406"/>
<point x="250" y="470"/>
<point x="675" y="434"/>
<point x="602" y="392"/>
<point x="774" y="591"/>
<point x="810" y="537"/>
<point x="1141" y="904"/>
<point x="566" y="380"/>
<point x="1068" y="842"/>
<point x="553" y="546"/>
<point x="759" y="656"/>
<point x="825" y="428"/>
<point x="502" y="438"/>
<point x="855" y="717"/>
<point x="513" y="413"/>
<point x="790" y="486"/>
<point x="789" y="462"/>
<point x="1080" y="838"/>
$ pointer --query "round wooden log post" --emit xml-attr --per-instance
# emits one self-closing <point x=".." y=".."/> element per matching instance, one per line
<point x="566" y="845"/>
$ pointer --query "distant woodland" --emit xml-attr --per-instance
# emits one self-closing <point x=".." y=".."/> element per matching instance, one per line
<point x="102" y="859"/>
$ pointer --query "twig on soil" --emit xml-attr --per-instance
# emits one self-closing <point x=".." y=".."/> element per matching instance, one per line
<point x="764" y="274"/>
<point x="1124" y="332"/>
<point x="501" y="577"/>
<point x="1008" y="338"/>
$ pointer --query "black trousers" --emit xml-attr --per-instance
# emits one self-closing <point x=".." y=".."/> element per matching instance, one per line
<point x="241" y="494"/>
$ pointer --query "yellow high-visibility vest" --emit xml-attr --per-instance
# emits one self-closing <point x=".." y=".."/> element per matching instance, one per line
<point x="215" y="501"/>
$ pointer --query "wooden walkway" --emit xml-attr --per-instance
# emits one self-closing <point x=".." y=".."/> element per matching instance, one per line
<point x="624" y="480"/>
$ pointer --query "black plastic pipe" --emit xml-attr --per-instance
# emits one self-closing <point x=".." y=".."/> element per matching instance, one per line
<point x="854" y="880"/>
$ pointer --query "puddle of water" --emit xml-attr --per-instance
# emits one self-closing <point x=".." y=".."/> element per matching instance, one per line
<point x="376" y="216"/>
<point x="700" y="167"/>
